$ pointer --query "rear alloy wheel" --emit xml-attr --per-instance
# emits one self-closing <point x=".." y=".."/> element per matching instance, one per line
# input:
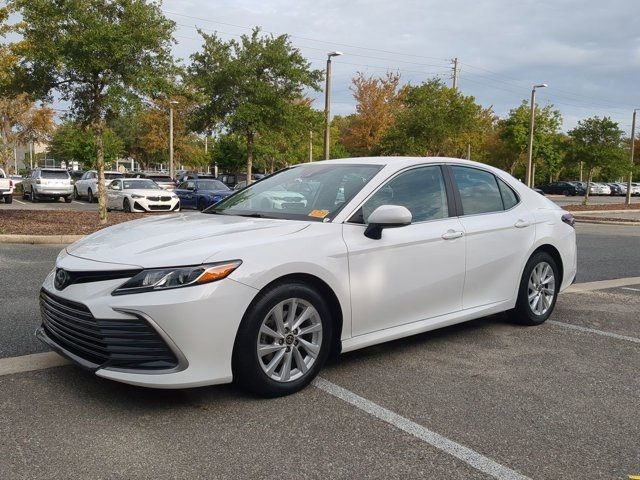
<point x="283" y="341"/>
<point x="126" y="205"/>
<point x="538" y="290"/>
<point x="90" y="196"/>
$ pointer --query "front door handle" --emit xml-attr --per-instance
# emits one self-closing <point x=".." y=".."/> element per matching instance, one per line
<point x="452" y="234"/>
<point x="522" y="224"/>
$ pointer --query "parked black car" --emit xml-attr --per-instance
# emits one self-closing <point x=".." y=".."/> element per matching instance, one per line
<point x="562" y="188"/>
<point x="231" y="179"/>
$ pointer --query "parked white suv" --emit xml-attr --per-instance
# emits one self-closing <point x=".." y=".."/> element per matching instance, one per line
<point x="87" y="186"/>
<point x="6" y="187"/>
<point x="47" y="183"/>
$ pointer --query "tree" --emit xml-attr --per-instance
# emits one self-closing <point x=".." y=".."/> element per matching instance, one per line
<point x="250" y="86"/>
<point x="21" y="121"/>
<point x="377" y="102"/>
<point x="597" y="143"/>
<point x="73" y="142"/>
<point x="97" y="55"/>
<point x="435" y="120"/>
<point x="547" y="144"/>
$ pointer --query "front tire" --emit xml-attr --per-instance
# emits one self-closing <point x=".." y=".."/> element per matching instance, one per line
<point x="90" y="196"/>
<point x="538" y="290"/>
<point x="126" y="205"/>
<point x="34" y="197"/>
<point x="283" y="341"/>
<point x="76" y="196"/>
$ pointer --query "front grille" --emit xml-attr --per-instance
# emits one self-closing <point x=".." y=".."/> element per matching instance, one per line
<point x="159" y="207"/>
<point x="165" y="199"/>
<point x="128" y="344"/>
<point x="153" y="199"/>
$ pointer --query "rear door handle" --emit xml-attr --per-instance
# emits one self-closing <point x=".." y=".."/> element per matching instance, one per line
<point x="452" y="234"/>
<point x="522" y="224"/>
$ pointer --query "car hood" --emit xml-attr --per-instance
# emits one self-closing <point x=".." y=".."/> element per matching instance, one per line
<point x="145" y="192"/>
<point x="215" y="192"/>
<point x="181" y="239"/>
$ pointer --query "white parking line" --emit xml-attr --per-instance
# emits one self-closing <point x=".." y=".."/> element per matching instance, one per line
<point x="28" y="363"/>
<point x="597" y="332"/>
<point x="18" y="201"/>
<point x="470" y="457"/>
<point x="79" y="203"/>
<point x="632" y="289"/>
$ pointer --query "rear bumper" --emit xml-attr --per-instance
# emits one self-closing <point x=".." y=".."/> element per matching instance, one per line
<point x="53" y="192"/>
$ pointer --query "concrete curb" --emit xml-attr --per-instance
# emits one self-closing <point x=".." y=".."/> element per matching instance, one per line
<point x="40" y="239"/>
<point x="606" y="222"/>
<point x="587" y="212"/>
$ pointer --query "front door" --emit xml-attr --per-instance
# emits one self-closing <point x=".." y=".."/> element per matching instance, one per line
<point x="412" y="273"/>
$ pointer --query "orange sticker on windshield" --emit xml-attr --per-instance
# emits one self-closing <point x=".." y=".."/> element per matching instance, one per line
<point x="318" y="213"/>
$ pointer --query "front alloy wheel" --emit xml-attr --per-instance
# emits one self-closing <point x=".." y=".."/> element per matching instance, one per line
<point x="290" y="340"/>
<point x="541" y="288"/>
<point x="283" y="340"/>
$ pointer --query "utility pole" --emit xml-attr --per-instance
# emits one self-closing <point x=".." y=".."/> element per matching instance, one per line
<point x="633" y="143"/>
<point x="327" y="103"/>
<point x="468" y="151"/>
<point x="310" y="145"/>
<point x="530" y="171"/>
<point x="455" y="72"/>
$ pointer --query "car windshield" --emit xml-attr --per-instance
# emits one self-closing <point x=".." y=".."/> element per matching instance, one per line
<point x="140" y="184"/>
<point x="306" y="192"/>
<point x="212" y="185"/>
<point x="112" y="175"/>
<point x="58" y="174"/>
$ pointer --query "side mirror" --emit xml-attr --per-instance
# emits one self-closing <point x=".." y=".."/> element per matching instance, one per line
<point x="386" y="216"/>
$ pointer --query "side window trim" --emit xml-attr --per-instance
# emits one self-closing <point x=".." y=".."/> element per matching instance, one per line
<point x="447" y="186"/>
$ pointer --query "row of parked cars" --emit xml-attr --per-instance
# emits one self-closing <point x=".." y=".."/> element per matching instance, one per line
<point x="595" y="188"/>
<point x="132" y="191"/>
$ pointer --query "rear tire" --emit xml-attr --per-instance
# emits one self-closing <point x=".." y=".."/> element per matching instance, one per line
<point x="8" y="198"/>
<point x="201" y="205"/>
<point x="34" y="197"/>
<point x="294" y="348"/>
<point x="538" y="290"/>
<point x="76" y="196"/>
<point x="67" y="199"/>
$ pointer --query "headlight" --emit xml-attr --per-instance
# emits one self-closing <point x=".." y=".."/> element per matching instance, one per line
<point x="135" y="195"/>
<point x="176" y="277"/>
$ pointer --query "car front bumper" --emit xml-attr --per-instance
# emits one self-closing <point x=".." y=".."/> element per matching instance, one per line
<point x="146" y="205"/>
<point x="199" y="325"/>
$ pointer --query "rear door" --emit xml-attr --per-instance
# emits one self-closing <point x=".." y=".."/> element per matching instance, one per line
<point x="499" y="231"/>
<point x="412" y="273"/>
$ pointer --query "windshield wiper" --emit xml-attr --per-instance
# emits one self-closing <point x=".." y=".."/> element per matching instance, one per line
<point x="252" y="215"/>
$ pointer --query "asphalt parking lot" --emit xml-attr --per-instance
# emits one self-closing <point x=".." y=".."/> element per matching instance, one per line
<point x="485" y="399"/>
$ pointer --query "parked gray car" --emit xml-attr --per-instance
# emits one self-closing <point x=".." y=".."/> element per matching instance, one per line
<point x="52" y="183"/>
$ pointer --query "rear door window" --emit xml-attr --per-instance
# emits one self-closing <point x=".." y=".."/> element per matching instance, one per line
<point x="478" y="189"/>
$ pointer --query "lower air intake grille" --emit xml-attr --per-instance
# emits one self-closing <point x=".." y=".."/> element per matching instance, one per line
<point x="127" y="344"/>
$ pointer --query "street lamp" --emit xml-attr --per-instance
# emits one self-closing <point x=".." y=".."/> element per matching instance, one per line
<point x="633" y="143"/>
<point x="529" y="177"/>
<point x="171" y="104"/>
<point x="327" y="101"/>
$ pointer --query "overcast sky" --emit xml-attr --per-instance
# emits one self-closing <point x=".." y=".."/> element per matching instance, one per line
<point x="588" y="51"/>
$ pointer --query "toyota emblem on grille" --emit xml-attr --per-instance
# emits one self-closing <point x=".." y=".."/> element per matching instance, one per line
<point x="62" y="279"/>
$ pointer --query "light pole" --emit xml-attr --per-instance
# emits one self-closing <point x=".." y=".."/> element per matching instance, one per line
<point x="327" y="102"/>
<point x="633" y="143"/>
<point x="171" y="104"/>
<point x="529" y="176"/>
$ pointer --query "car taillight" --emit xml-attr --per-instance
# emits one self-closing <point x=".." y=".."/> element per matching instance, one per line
<point x="569" y="219"/>
<point x="10" y="183"/>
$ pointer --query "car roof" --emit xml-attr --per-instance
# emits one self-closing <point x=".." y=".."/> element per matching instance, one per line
<point x="397" y="161"/>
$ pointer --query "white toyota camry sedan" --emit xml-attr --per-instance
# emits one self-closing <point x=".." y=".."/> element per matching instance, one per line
<point x="381" y="248"/>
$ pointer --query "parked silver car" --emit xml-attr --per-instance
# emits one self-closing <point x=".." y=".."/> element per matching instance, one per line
<point x="52" y="183"/>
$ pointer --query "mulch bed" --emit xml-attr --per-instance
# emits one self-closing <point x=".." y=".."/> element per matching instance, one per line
<point x="42" y="222"/>
<point x="606" y="206"/>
